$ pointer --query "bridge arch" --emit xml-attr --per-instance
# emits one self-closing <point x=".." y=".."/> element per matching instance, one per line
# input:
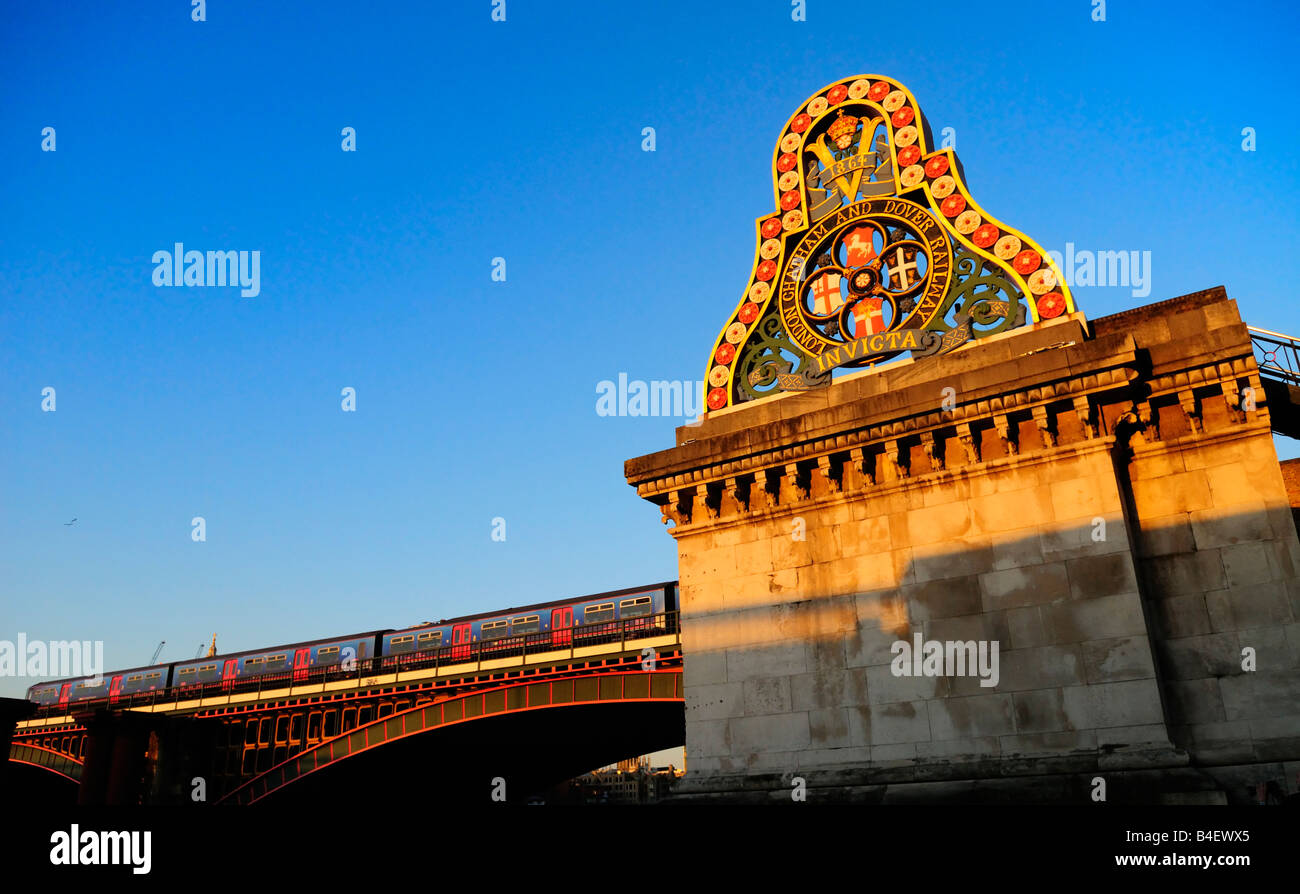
<point x="529" y="732"/>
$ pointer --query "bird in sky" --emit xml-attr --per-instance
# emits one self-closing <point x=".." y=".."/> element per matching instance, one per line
<point x="73" y="522"/>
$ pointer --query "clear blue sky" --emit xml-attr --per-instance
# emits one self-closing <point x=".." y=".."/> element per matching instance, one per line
<point x="521" y="139"/>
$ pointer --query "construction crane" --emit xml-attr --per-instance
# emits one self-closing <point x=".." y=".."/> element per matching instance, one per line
<point x="157" y="652"/>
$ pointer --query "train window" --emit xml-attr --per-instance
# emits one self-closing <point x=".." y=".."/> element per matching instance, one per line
<point x="635" y="608"/>
<point x="493" y="630"/>
<point x="281" y="729"/>
<point x="275" y="662"/>
<point x="295" y="730"/>
<point x="529" y="624"/>
<point x="349" y="719"/>
<point x="135" y="678"/>
<point x="253" y="665"/>
<point x="402" y="643"/>
<point x="430" y="640"/>
<point x="598" y="614"/>
<point x="331" y="724"/>
<point x="327" y="655"/>
<point x="313" y="725"/>
<point x="156" y="675"/>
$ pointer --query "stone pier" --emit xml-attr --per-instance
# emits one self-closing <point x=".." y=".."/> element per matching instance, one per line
<point x="1100" y="500"/>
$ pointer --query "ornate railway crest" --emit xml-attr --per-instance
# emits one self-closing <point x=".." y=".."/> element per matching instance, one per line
<point x="877" y="248"/>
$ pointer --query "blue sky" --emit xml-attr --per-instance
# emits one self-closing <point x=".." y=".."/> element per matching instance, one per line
<point x="522" y="140"/>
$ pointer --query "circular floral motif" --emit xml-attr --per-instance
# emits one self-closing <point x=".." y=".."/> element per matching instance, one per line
<point x="967" y="221"/>
<point x="879" y="91"/>
<point x="909" y="155"/>
<point x="770" y="248"/>
<point x="894" y="101"/>
<point x="1051" y="305"/>
<point x="903" y="117"/>
<point x="1042" y="281"/>
<point x="905" y="136"/>
<point x="726" y="353"/>
<point x="985" y="236"/>
<point x="1007" y="247"/>
<point x="718" y="376"/>
<point x="936" y="167"/>
<point x="859" y="88"/>
<point x="759" y="292"/>
<point x="735" y="333"/>
<point x="912" y="176"/>
<point x="748" y="314"/>
<point x="1027" y="261"/>
<point x="953" y="205"/>
<point x="790" y="142"/>
<point x="770" y="227"/>
<point x="787" y="162"/>
<point x="792" y="220"/>
<point x="790" y="200"/>
<point x="943" y="187"/>
<point x="817" y="106"/>
<point x="837" y="94"/>
<point x="788" y="180"/>
<point x="717" y="399"/>
<point x="766" y="270"/>
<point x="800" y="123"/>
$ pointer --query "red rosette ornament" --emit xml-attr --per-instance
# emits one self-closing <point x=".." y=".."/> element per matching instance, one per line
<point x="1051" y="305"/>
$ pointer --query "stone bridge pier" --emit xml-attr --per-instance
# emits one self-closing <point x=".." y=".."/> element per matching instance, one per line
<point x="1100" y="502"/>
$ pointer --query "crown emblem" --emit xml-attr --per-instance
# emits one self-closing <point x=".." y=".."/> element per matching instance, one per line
<point x="841" y="131"/>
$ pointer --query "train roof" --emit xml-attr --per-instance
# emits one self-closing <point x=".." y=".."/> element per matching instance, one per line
<point x="223" y="656"/>
<point x="557" y="603"/>
<point x="106" y="675"/>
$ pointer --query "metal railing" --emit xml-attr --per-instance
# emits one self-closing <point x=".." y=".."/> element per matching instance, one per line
<point x="569" y="639"/>
<point x="1277" y="355"/>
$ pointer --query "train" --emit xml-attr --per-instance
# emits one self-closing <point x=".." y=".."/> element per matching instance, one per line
<point x="557" y="625"/>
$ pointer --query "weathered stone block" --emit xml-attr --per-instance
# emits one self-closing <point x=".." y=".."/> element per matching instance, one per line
<point x="1106" y="575"/>
<point x="1102" y="618"/>
<point x="899" y="722"/>
<point x="972" y="717"/>
<point x="1122" y="658"/>
<point x="766" y="695"/>
<point x="1131" y="703"/>
<point x="1017" y="587"/>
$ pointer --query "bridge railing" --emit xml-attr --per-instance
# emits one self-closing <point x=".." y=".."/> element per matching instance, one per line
<point x="521" y="646"/>
<point x="1277" y="355"/>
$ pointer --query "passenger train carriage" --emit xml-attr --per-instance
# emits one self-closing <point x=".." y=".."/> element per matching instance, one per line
<point x="560" y="625"/>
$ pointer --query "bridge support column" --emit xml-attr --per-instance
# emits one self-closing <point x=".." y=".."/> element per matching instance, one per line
<point x="12" y="710"/>
<point x="1038" y="504"/>
<point x="140" y="758"/>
